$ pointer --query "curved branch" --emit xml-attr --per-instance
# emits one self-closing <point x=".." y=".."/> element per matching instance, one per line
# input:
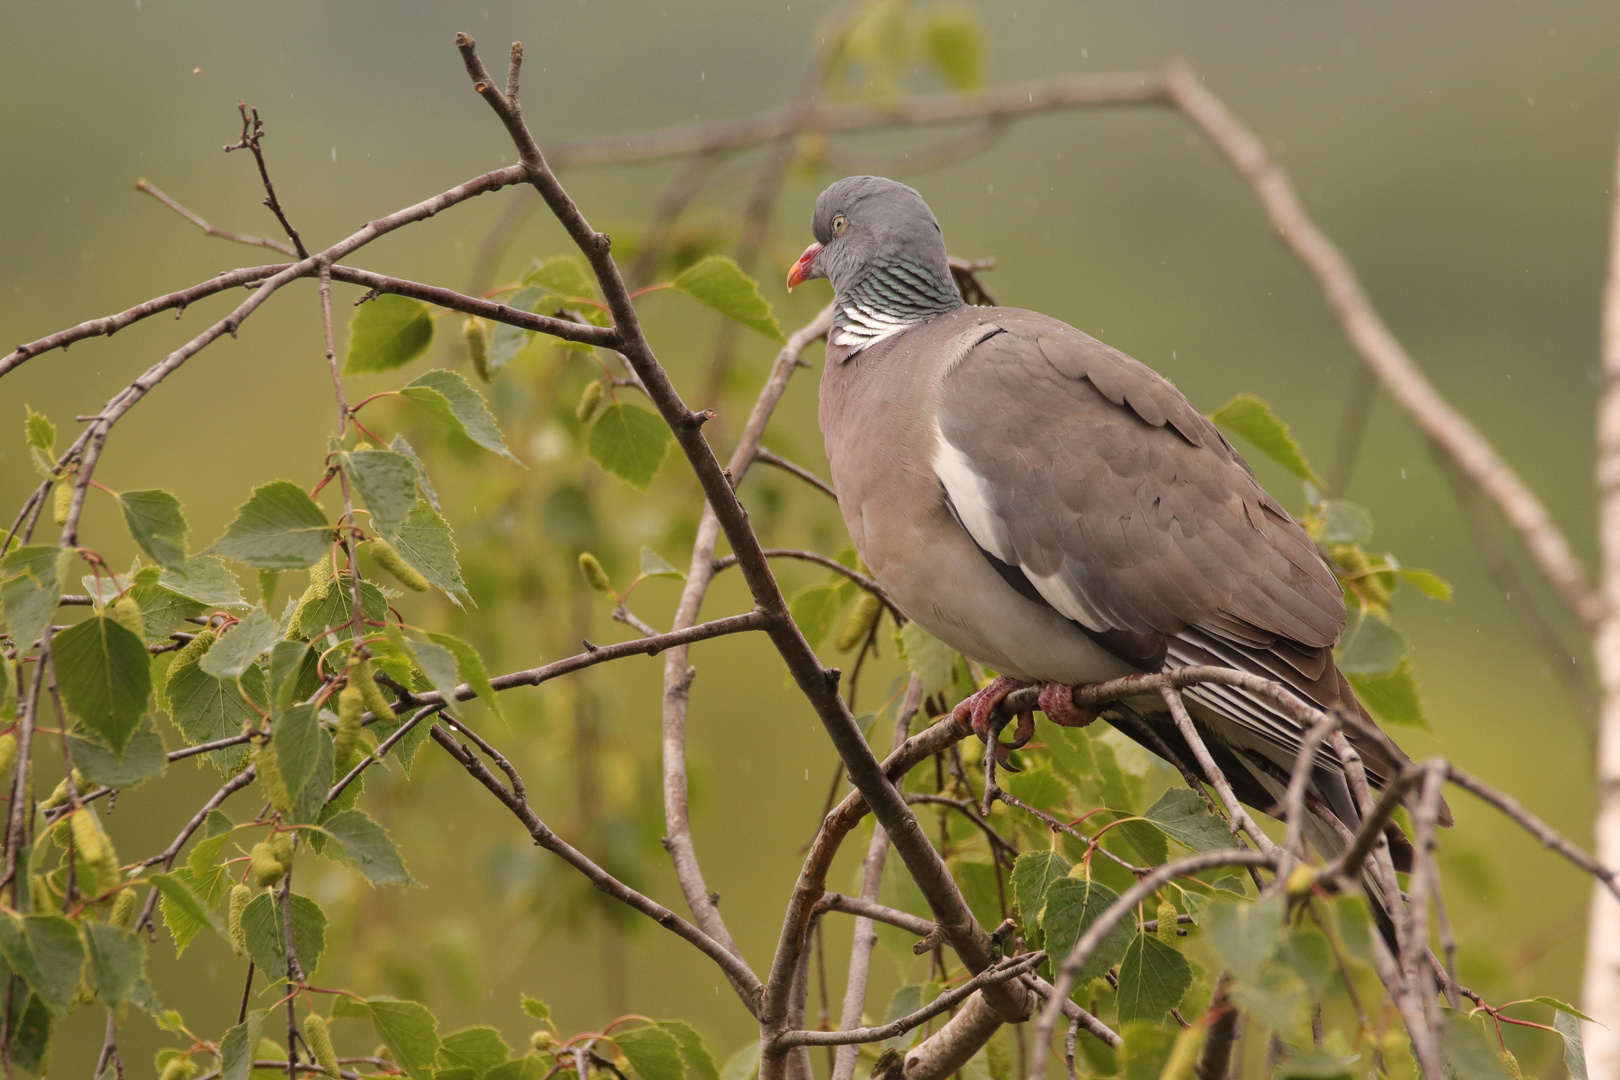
<point x="990" y="976"/>
<point x="742" y="979"/>
<point x="924" y="109"/>
<point x="1381" y="351"/>
<point x="1110" y="917"/>
<point x="725" y="562"/>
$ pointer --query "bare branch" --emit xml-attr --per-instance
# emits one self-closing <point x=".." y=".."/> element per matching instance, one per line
<point x="996" y="973"/>
<point x="1549" y="837"/>
<point x="111" y="324"/>
<point x="1381" y="351"/>
<point x="924" y="109"/>
<point x="744" y="981"/>
<point x="678" y="676"/>
<point x="865" y="935"/>
<point x="861" y="907"/>
<point x="209" y="230"/>
<point x="725" y="562"/>
<point x="775" y="461"/>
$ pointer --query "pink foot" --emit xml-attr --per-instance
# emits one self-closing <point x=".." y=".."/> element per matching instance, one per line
<point x="977" y="708"/>
<point x="1057" y="702"/>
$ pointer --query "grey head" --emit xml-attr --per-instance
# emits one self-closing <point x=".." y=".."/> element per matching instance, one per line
<point x="881" y="247"/>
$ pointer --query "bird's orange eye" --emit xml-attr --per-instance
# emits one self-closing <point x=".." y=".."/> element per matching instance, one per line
<point x="840" y="225"/>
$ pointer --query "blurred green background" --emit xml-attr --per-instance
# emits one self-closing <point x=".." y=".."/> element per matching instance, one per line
<point x="1461" y="154"/>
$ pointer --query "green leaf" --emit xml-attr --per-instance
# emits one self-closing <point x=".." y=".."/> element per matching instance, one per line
<point x="527" y="1067"/>
<point x="1468" y="1053"/>
<point x="278" y="528"/>
<point x="955" y="43"/>
<point x="45" y="951"/>
<point x="1032" y="873"/>
<point x="236" y="1048"/>
<point x="815" y="608"/>
<point x="106" y="677"/>
<point x="400" y="446"/>
<point x="208" y="879"/>
<point x="1147" y="1050"/>
<point x="1392" y="697"/>
<point x="1370" y="646"/>
<point x="1252" y="418"/>
<point x="536" y="1008"/>
<point x="241" y="646"/>
<point x="425" y="542"/>
<point x="630" y="442"/>
<point x="439" y="665"/>
<point x="743" y="1064"/>
<point x="903" y="1002"/>
<point x="30" y="589"/>
<point x="387" y="332"/>
<point x="1428" y="583"/>
<point x="337" y="608"/>
<point x="451" y="398"/>
<point x="304" y="756"/>
<point x="368" y="849"/>
<point x="207" y="580"/>
<point x="563" y="276"/>
<point x="1316" y="1063"/>
<point x="1152" y="978"/>
<point x="1184" y="818"/>
<point x="1246" y="935"/>
<point x="143" y="758"/>
<point x="117" y="960"/>
<point x="40" y="432"/>
<point x="699" y="1062"/>
<point x="1039" y="786"/>
<point x="655" y="565"/>
<point x="654" y="1053"/>
<point x="158" y="524"/>
<point x="206" y="709"/>
<point x="262" y="926"/>
<point x="163" y="611"/>
<point x="1566" y="1023"/>
<point x="1344" y="523"/>
<point x="1072" y="905"/>
<point x="410" y="1032"/>
<point x="720" y="283"/>
<point x="930" y="659"/>
<point x="295" y="672"/>
<point x="190" y="912"/>
<point x="386" y="480"/>
<point x="1554" y="1003"/>
<point x="1308" y="953"/>
<point x="471" y="668"/>
<point x="30" y="1032"/>
<point x="508" y="340"/>
<point x="479" y="1049"/>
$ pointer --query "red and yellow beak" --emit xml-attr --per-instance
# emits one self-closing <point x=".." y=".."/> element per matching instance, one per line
<point x="801" y="269"/>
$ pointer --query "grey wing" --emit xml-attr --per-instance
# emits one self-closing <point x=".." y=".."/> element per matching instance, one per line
<point x="1129" y="513"/>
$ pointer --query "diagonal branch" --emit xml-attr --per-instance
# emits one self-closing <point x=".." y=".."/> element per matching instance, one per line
<point x="743" y="980"/>
<point x="1381" y="351"/>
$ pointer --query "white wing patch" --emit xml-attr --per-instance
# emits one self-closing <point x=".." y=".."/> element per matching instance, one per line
<point x="969" y="494"/>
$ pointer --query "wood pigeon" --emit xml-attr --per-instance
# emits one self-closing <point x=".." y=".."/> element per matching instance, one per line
<point x="1062" y="514"/>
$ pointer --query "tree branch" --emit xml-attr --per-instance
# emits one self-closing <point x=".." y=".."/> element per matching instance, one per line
<point x="1379" y="349"/>
<point x="996" y="973"/>
<point x="743" y="980"/>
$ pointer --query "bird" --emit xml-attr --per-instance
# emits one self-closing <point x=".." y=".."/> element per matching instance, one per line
<point x="1063" y="515"/>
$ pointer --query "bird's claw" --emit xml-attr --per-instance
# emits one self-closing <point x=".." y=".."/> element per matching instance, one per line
<point x="977" y="709"/>
<point x="1057" y="702"/>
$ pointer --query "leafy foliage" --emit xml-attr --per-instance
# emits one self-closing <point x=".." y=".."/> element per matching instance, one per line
<point x="387" y="332"/>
